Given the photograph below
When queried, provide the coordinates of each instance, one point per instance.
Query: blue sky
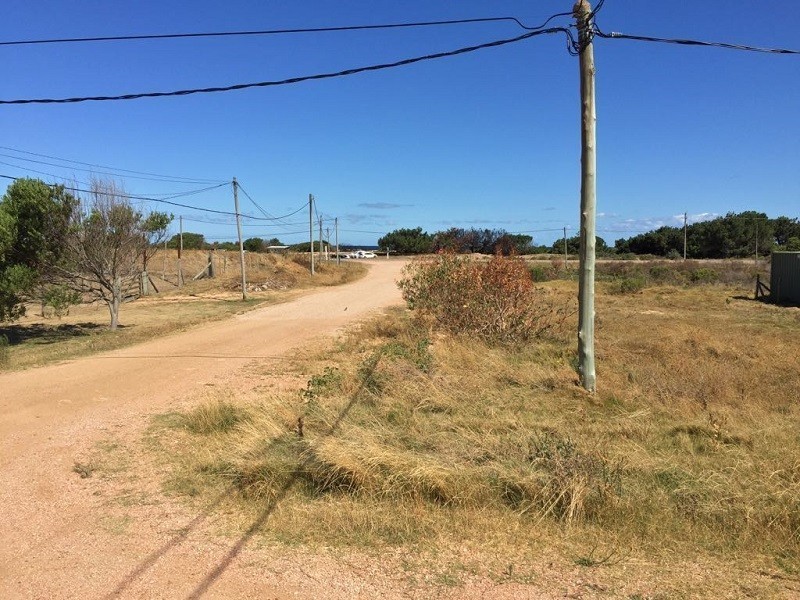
(488, 139)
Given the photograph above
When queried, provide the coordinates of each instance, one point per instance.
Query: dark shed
(785, 277)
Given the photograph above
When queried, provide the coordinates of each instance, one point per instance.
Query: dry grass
(688, 452)
(35, 340)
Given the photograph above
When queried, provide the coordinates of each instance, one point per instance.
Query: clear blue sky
(489, 139)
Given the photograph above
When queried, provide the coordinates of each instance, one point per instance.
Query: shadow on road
(257, 524)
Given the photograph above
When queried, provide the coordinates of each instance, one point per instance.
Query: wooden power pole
(336, 229)
(180, 251)
(311, 229)
(566, 254)
(685, 232)
(239, 233)
(586, 313)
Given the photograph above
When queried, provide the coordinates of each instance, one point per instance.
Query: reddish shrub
(496, 300)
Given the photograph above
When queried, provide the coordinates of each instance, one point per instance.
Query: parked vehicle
(363, 254)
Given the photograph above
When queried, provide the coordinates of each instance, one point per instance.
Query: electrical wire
(112, 174)
(264, 212)
(163, 36)
(685, 42)
(292, 80)
(158, 200)
(164, 178)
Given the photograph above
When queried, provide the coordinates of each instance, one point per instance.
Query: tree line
(197, 241)
(735, 235)
(456, 239)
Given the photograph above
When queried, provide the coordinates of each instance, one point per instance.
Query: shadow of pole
(262, 518)
(217, 571)
(154, 556)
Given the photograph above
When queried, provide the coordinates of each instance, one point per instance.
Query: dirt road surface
(62, 536)
(57, 541)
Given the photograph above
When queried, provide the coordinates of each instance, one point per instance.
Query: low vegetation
(404, 434)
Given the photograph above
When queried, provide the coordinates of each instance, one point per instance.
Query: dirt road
(58, 538)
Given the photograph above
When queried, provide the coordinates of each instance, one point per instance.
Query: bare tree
(108, 245)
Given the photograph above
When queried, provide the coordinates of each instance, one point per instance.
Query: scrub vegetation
(407, 433)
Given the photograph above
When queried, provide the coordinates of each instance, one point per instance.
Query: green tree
(407, 241)
(254, 244)
(191, 241)
(33, 227)
(574, 245)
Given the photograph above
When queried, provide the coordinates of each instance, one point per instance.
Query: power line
(165, 178)
(162, 200)
(685, 42)
(292, 80)
(163, 36)
(265, 213)
(42, 162)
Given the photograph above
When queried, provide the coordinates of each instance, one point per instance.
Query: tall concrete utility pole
(756, 261)
(320, 238)
(586, 370)
(239, 233)
(336, 229)
(685, 230)
(180, 250)
(311, 229)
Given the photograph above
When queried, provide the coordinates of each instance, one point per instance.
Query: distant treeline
(735, 235)
(196, 241)
(456, 239)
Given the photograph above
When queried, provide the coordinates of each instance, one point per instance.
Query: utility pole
(239, 233)
(582, 13)
(685, 229)
(328, 239)
(566, 255)
(320, 237)
(180, 251)
(336, 229)
(311, 229)
(756, 262)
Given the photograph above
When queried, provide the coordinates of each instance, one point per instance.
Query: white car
(363, 254)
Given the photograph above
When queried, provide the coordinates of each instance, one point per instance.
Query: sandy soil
(60, 539)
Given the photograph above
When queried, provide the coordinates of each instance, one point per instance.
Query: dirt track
(58, 539)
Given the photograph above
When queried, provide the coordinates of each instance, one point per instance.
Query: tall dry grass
(402, 436)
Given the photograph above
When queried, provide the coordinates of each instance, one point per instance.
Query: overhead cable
(684, 42)
(291, 80)
(158, 200)
(165, 178)
(164, 36)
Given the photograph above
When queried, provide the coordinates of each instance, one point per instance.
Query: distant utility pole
(336, 229)
(180, 250)
(239, 233)
(566, 256)
(320, 237)
(582, 13)
(685, 229)
(311, 229)
(756, 261)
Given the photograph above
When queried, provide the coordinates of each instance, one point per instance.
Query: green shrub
(704, 275)
(539, 273)
(628, 285)
(60, 298)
